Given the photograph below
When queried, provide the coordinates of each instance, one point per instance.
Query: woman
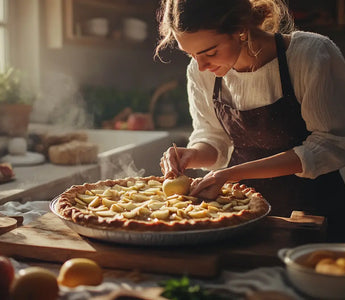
(267, 103)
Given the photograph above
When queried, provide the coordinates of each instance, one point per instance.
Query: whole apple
(179, 185)
(34, 283)
(80, 271)
(6, 276)
(120, 125)
(140, 121)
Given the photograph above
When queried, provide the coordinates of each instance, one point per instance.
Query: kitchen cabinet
(109, 22)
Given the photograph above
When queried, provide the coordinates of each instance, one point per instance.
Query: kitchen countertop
(40, 182)
(121, 153)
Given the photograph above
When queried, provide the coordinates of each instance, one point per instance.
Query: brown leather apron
(268, 130)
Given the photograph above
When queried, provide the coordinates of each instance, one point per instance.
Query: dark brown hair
(223, 16)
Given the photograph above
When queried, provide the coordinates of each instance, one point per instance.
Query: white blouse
(317, 70)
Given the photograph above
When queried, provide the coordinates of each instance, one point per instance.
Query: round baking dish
(158, 238)
(306, 279)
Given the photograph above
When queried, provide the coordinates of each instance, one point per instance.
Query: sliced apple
(86, 198)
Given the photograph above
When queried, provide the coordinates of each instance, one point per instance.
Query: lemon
(80, 271)
(34, 283)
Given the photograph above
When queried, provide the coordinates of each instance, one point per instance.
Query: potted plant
(15, 103)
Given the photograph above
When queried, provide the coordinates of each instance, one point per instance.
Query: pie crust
(139, 204)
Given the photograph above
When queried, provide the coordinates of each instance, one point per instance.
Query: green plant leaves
(12, 89)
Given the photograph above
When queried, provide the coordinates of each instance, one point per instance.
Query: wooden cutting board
(49, 239)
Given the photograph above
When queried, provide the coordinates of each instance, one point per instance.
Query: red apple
(140, 121)
(120, 125)
(6, 276)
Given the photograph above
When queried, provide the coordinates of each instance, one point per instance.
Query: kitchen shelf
(78, 12)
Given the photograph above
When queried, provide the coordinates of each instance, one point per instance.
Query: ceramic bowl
(306, 279)
(135, 29)
(97, 27)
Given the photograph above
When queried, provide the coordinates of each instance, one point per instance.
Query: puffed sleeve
(206, 126)
(322, 92)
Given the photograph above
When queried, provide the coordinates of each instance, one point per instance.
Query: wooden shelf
(118, 5)
(78, 12)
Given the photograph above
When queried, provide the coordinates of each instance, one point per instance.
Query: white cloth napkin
(30, 210)
(259, 279)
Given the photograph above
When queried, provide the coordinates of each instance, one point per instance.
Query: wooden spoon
(7, 224)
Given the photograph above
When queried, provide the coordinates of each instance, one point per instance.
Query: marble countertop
(44, 181)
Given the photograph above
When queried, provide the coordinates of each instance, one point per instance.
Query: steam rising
(61, 103)
(115, 167)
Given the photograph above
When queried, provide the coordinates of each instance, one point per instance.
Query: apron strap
(217, 89)
(285, 79)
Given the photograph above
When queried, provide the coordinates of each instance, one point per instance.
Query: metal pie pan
(158, 238)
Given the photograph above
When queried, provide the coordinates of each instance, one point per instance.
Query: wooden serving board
(50, 239)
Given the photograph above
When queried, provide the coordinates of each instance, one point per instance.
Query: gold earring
(243, 37)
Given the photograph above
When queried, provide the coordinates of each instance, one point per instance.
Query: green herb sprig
(183, 289)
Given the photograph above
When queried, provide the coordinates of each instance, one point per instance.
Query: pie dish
(138, 204)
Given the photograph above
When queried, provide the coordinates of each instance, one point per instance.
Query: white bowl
(307, 280)
(97, 27)
(135, 29)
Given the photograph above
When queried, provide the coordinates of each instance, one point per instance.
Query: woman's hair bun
(272, 16)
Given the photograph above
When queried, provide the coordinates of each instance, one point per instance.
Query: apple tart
(139, 203)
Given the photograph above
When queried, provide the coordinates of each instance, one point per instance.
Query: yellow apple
(80, 271)
(179, 185)
(34, 283)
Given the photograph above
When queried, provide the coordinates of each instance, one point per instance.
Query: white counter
(122, 153)
(42, 182)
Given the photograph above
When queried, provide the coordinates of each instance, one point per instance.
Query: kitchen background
(91, 66)
(97, 56)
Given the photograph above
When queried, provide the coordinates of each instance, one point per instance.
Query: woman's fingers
(210, 186)
(175, 161)
(194, 183)
(166, 169)
(200, 184)
(169, 163)
(162, 166)
(209, 193)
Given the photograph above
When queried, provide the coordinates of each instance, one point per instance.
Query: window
(3, 35)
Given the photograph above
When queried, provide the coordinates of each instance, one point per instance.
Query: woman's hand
(210, 186)
(281, 164)
(174, 163)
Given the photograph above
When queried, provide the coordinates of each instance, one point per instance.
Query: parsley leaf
(182, 289)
